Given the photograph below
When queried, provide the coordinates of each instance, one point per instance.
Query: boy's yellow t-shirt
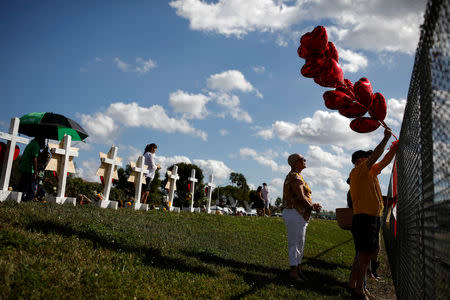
(365, 190)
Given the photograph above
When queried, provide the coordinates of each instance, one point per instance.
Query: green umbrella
(51, 126)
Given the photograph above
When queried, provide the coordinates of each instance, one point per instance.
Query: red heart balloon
(16, 152)
(315, 41)
(2, 151)
(363, 91)
(331, 51)
(347, 88)
(378, 109)
(336, 99)
(313, 66)
(353, 110)
(331, 74)
(348, 84)
(301, 51)
(364, 124)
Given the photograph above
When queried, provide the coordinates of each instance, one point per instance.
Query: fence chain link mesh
(419, 252)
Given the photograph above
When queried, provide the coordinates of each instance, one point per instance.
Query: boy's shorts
(366, 232)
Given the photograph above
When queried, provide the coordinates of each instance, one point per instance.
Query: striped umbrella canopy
(51, 126)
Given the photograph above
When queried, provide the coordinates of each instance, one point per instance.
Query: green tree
(278, 202)
(239, 180)
(123, 184)
(241, 183)
(228, 190)
(155, 196)
(182, 192)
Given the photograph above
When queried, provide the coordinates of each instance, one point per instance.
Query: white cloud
(319, 157)
(142, 66)
(100, 126)
(232, 104)
(133, 115)
(326, 177)
(259, 69)
(103, 127)
(353, 61)
(133, 153)
(190, 105)
(223, 132)
(88, 170)
(166, 162)
(123, 66)
(322, 129)
(219, 170)
(395, 110)
(330, 199)
(275, 189)
(264, 159)
(326, 182)
(236, 17)
(229, 81)
(394, 25)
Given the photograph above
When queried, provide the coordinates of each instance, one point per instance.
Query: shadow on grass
(152, 256)
(258, 276)
(314, 261)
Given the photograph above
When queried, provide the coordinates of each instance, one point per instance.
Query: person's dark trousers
(26, 186)
(374, 266)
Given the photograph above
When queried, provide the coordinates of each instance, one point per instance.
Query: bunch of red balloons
(351, 100)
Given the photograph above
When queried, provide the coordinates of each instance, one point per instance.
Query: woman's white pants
(296, 232)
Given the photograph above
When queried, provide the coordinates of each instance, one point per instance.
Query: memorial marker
(62, 163)
(173, 177)
(108, 169)
(139, 169)
(12, 138)
(210, 186)
(193, 180)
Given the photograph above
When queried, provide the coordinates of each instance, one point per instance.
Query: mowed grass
(50, 251)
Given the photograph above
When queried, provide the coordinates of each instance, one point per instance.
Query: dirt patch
(382, 288)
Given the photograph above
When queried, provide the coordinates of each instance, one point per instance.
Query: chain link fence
(418, 239)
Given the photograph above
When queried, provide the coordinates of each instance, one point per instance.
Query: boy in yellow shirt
(367, 208)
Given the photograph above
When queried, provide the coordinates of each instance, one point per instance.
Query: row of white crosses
(62, 163)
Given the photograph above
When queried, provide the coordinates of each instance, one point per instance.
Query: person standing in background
(265, 194)
(149, 157)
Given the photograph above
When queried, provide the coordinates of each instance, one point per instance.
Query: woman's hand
(317, 207)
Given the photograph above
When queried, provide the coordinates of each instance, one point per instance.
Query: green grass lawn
(51, 251)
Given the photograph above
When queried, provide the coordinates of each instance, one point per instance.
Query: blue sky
(215, 83)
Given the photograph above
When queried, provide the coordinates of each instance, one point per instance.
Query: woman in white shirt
(149, 157)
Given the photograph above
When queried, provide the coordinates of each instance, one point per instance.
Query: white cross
(139, 169)
(64, 152)
(172, 179)
(111, 162)
(12, 139)
(210, 186)
(193, 180)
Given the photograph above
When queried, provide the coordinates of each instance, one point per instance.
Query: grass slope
(54, 251)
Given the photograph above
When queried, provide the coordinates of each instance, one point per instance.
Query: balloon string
(380, 121)
(387, 127)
